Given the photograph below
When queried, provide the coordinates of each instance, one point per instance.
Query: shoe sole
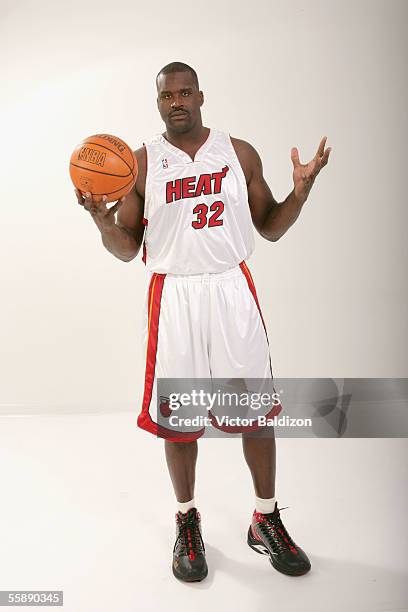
(186, 579)
(262, 550)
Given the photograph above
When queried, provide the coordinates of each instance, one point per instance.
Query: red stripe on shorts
(251, 285)
(144, 420)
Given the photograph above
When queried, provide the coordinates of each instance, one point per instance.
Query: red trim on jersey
(144, 420)
(144, 256)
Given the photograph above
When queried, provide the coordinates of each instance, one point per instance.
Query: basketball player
(198, 195)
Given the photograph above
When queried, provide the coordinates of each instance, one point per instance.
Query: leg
(177, 348)
(260, 455)
(267, 534)
(181, 460)
(189, 563)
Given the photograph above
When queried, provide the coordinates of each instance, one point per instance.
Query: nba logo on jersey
(165, 163)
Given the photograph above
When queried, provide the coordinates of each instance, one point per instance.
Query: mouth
(178, 115)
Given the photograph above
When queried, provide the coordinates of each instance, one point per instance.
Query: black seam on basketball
(110, 192)
(100, 171)
(114, 152)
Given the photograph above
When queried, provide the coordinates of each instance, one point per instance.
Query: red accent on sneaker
(254, 534)
(294, 550)
(258, 517)
(191, 553)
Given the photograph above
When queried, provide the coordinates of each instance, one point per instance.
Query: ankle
(184, 507)
(265, 506)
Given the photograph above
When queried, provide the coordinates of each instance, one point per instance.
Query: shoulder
(247, 155)
(141, 156)
(244, 148)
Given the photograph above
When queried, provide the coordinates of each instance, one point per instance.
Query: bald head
(178, 67)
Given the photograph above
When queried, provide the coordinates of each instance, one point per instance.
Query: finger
(116, 206)
(98, 207)
(88, 200)
(107, 210)
(320, 150)
(80, 197)
(90, 203)
(122, 199)
(325, 157)
(294, 155)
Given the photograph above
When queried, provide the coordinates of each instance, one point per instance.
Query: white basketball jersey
(197, 214)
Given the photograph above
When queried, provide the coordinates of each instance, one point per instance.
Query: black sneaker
(267, 535)
(189, 562)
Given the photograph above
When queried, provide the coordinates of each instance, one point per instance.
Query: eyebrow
(166, 91)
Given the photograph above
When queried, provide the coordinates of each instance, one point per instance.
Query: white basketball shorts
(201, 326)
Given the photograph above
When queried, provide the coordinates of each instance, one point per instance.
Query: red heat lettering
(203, 185)
(189, 186)
(217, 177)
(173, 191)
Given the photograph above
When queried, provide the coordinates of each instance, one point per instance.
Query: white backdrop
(333, 289)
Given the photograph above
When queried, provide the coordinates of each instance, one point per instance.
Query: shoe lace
(274, 530)
(189, 536)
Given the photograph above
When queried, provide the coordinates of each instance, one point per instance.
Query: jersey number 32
(201, 210)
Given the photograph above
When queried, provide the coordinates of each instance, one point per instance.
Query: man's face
(179, 101)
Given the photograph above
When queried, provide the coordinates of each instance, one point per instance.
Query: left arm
(272, 219)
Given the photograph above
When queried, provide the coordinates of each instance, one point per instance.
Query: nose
(177, 101)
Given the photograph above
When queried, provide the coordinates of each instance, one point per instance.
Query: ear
(201, 98)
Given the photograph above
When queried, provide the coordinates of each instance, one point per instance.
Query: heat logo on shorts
(165, 407)
(92, 156)
(193, 186)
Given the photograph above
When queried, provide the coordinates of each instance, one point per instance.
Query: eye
(186, 93)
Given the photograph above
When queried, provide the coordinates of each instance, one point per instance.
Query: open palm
(305, 174)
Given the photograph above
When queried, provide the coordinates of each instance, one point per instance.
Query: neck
(196, 135)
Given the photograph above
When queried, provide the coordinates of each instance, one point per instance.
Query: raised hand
(304, 174)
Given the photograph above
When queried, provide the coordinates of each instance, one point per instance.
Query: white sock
(185, 506)
(265, 506)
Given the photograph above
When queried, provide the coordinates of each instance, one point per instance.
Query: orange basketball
(103, 165)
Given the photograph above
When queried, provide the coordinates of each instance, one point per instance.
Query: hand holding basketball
(104, 217)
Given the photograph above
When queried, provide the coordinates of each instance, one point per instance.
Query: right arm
(124, 237)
